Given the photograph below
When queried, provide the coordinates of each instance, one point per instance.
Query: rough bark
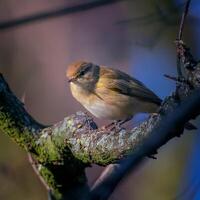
(63, 151)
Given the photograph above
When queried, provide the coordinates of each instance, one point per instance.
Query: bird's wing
(118, 81)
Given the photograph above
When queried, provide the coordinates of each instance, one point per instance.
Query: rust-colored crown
(74, 68)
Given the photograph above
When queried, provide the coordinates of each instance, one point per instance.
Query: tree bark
(61, 152)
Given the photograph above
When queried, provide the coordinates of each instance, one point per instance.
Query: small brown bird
(109, 93)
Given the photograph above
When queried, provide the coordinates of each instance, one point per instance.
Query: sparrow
(109, 93)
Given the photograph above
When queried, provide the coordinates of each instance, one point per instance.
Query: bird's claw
(116, 125)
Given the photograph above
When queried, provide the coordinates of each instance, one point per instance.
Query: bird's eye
(82, 73)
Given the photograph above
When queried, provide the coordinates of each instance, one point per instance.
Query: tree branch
(161, 133)
(183, 18)
(54, 13)
(62, 152)
(66, 148)
(54, 158)
(180, 34)
(112, 175)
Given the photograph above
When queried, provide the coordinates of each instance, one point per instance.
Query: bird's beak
(71, 79)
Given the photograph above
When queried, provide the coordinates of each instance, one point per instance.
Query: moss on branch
(15, 121)
(64, 150)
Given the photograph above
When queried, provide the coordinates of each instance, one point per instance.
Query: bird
(109, 93)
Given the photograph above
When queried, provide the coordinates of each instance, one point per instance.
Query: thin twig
(183, 18)
(177, 79)
(31, 159)
(180, 34)
(104, 175)
(35, 168)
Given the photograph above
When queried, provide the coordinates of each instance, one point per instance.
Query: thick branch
(66, 148)
(62, 152)
(160, 134)
(52, 157)
(14, 120)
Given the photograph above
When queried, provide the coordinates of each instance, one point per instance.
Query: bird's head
(84, 74)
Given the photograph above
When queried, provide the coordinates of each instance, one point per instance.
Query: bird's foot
(153, 115)
(126, 120)
(116, 125)
(112, 126)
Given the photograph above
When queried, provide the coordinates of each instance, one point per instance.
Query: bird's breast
(100, 106)
(106, 104)
(91, 102)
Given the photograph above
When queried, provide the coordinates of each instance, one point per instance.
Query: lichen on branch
(62, 151)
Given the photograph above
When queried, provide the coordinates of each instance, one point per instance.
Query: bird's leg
(153, 115)
(125, 120)
(112, 125)
(116, 125)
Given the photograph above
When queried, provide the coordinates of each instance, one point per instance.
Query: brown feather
(122, 83)
(109, 93)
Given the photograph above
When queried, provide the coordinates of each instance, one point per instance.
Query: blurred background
(134, 36)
